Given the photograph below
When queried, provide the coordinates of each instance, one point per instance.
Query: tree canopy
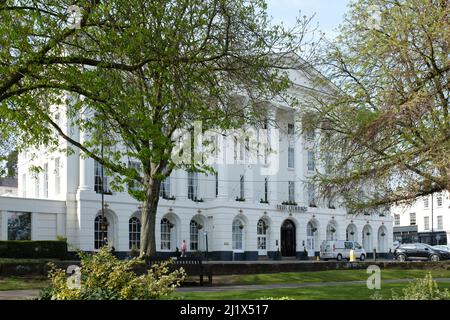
(385, 131)
(132, 74)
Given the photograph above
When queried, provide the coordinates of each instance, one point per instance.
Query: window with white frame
(440, 222)
(266, 189)
(193, 235)
(311, 195)
(426, 203)
(217, 184)
(100, 231)
(310, 134)
(242, 187)
(134, 233)
(24, 185)
(397, 219)
(291, 158)
(100, 179)
(235, 149)
(439, 200)
(136, 165)
(36, 186)
(57, 176)
(45, 180)
(311, 161)
(192, 185)
(164, 190)
(291, 191)
(18, 225)
(166, 227)
(237, 234)
(426, 223)
(412, 218)
(291, 129)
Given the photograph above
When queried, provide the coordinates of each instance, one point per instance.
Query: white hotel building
(236, 215)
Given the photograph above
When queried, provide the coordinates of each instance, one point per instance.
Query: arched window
(100, 231)
(261, 230)
(331, 231)
(134, 233)
(237, 231)
(166, 225)
(194, 235)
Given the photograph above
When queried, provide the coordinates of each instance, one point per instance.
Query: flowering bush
(104, 277)
(423, 289)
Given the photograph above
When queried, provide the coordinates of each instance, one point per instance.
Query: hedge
(24, 249)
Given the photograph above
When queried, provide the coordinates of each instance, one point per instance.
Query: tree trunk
(148, 218)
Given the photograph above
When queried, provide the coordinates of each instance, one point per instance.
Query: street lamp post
(206, 243)
(432, 220)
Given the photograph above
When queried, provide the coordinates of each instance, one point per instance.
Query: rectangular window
(217, 184)
(135, 185)
(57, 177)
(397, 219)
(290, 158)
(46, 180)
(310, 134)
(439, 200)
(425, 203)
(193, 236)
(311, 161)
(192, 185)
(412, 219)
(36, 186)
(242, 187)
(311, 195)
(266, 189)
(164, 190)
(19, 226)
(101, 179)
(291, 129)
(291, 191)
(426, 223)
(235, 150)
(24, 185)
(440, 222)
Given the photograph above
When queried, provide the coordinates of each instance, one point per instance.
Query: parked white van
(340, 249)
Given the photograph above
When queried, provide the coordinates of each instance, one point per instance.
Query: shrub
(423, 289)
(104, 277)
(25, 249)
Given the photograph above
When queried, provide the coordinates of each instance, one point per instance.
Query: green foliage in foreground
(423, 289)
(104, 277)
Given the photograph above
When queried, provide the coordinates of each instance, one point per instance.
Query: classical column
(181, 185)
(299, 163)
(273, 167)
(3, 225)
(86, 168)
(222, 169)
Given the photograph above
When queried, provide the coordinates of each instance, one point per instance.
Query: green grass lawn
(324, 276)
(16, 283)
(347, 292)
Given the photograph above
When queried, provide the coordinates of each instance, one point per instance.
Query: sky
(329, 13)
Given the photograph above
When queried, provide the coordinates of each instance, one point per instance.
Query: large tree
(385, 131)
(134, 74)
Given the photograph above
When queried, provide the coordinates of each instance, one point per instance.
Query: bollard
(352, 255)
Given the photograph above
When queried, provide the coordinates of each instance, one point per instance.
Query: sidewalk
(19, 294)
(290, 285)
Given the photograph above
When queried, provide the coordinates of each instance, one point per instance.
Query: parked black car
(420, 251)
